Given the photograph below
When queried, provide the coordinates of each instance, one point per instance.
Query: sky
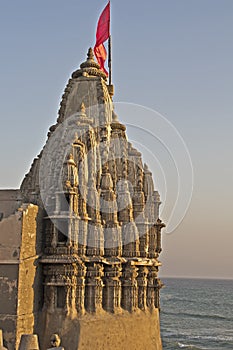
(173, 57)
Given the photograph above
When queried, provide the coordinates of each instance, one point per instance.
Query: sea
(196, 314)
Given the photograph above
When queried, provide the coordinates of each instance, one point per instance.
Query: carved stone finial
(90, 54)
(82, 117)
(114, 116)
(90, 61)
(115, 122)
(89, 68)
(83, 108)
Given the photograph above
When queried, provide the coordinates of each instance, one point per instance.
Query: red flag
(102, 34)
(101, 55)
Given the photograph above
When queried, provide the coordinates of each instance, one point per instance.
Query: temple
(80, 239)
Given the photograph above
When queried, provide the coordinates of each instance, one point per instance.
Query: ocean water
(197, 314)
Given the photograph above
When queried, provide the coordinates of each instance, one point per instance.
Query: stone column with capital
(94, 287)
(112, 288)
(129, 300)
(80, 289)
(142, 286)
(152, 285)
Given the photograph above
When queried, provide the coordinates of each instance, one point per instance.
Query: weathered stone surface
(10, 201)
(10, 238)
(19, 274)
(105, 331)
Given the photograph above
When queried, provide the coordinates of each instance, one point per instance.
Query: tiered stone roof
(102, 232)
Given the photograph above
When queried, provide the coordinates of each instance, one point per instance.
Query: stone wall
(18, 273)
(10, 240)
(9, 202)
(103, 331)
(8, 308)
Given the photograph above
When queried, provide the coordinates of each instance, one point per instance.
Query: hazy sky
(174, 57)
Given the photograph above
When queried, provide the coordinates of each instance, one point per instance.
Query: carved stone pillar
(112, 288)
(94, 287)
(152, 241)
(129, 299)
(82, 198)
(75, 202)
(152, 287)
(142, 286)
(75, 232)
(80, 289)
(67, 289)
(157, 293)
(72, 296)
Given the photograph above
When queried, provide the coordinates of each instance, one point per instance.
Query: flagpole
(110, 59)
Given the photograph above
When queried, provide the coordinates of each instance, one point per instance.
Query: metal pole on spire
(110, 48)
(110, 60)
(110, 86)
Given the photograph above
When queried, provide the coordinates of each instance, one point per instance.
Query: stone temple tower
(97, 225)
